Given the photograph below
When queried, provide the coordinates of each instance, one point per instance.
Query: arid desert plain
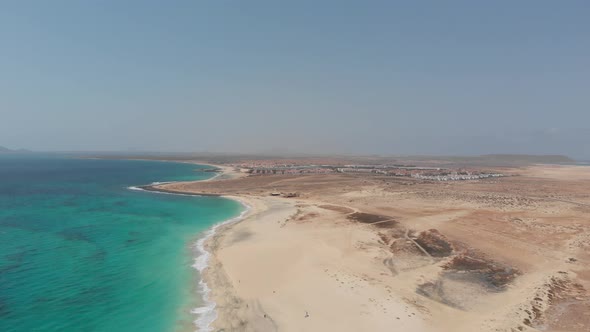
(353, 251)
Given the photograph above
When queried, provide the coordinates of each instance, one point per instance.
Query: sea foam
(160, 192)
(206, 313)
(136, 188)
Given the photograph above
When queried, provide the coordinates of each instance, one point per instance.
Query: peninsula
(353, 245)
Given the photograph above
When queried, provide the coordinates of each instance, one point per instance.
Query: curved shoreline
(303, 265)
(207, 312)
(155, 188)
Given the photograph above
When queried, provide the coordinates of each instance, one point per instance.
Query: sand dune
(370, 253)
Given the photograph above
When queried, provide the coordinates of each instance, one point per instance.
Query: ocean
(80, 251)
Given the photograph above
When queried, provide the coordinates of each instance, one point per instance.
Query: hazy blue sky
(413, 77)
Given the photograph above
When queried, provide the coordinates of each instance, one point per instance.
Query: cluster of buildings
(285, 167)
(456, 176)
(292, 170)
(286, 163)
(423, 173)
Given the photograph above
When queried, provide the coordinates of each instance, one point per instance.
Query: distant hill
(488, 160)
(525, 158)
(7, 150)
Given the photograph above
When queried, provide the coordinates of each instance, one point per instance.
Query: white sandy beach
(304, 264)
(270, 273)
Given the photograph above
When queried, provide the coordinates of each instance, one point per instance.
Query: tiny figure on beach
(306, 314)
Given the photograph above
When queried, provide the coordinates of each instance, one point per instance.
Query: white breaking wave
(157, 183)
(161, 192)
(218, 174)
(136, 188)
(206, 313)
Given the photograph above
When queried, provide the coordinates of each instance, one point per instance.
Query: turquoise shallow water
(81, 252)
